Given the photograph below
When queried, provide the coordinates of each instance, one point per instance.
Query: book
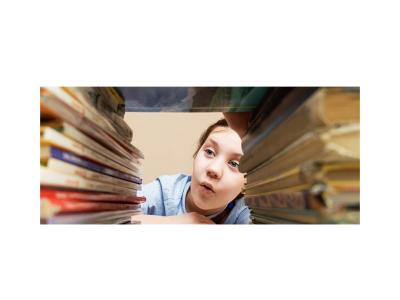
(52, 178)
(328, 199)
(337, 195)
(99, 98)
(309, 216)
(113, 96)
(83, 108)
(107, 102)
(335, 201)
(277, 106)
(50, 207)
(107, 217)
(296, 200)
(304, 176)
(70, 169)
(54, 152)
(262, 219)
(322, 145)
(51, 137)
(76, 135)
(89, 196)
(325, 108)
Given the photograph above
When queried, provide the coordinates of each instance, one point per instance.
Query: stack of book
(302, 157)
(89, 170)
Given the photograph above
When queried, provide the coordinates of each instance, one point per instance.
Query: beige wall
(167, 140)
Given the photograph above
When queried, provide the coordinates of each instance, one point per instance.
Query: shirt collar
(185, 190)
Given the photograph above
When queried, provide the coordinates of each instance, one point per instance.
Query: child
(211, 195)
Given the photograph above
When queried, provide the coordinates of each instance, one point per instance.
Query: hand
(190, 218)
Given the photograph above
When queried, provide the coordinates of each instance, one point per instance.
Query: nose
(215, 169)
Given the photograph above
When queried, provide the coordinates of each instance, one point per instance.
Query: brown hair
(206, 133)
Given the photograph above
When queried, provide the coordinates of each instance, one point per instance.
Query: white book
(53, 178)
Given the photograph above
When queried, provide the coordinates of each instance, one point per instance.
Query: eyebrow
(212, 141)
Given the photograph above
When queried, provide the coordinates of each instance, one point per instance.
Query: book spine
(119, 123)
(278, 200)
(265, 180)
(52, 206)
(78, 161)
(288, 158)
(66, 168)
(296, 215)
(52, 178)
(262, 219)
(89, 196)
(281, 184)
(54, 137)
(78, 136)
(103, 217)
(309, 215)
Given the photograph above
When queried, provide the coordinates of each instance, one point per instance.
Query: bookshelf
(301, 150)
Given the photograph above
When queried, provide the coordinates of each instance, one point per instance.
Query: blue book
(87, 164)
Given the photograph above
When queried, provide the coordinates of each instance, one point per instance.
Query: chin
(207, 203)
(202, 203)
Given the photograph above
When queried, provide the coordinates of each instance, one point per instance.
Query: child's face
(216, 179)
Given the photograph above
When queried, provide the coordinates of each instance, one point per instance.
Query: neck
(192, 207)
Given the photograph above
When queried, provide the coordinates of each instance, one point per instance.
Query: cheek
(237, 183)
(240, 184)
(198, 166)
(233, 185)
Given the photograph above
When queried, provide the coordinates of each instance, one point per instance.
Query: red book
(50, 207)
(89, 196)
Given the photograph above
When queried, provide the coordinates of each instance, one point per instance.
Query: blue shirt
(166, 196)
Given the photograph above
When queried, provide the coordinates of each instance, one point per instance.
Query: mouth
(208, 187)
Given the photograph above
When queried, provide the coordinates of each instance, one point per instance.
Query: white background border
(208, 43)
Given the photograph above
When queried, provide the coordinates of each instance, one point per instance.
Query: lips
(207, 186)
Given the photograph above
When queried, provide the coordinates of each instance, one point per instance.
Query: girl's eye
(209, 152)
(234, 164)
